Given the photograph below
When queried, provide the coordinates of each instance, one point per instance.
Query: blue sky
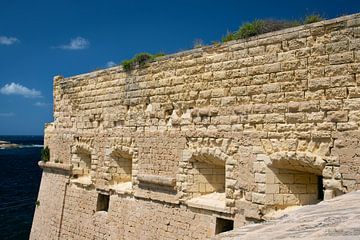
(41, 39)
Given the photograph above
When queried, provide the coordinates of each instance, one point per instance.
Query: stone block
(337, 116)
(271, 88)
(272, 188)
(258, 198)
(340, 58)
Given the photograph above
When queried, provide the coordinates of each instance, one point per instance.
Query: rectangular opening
(102, 202)
(320, 188)
(223, 225)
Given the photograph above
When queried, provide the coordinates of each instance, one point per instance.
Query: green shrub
(258, 27)
(37, 203)
(215, 43)
(139, 60)
(313, 18)
(250, 29)
(45, 154)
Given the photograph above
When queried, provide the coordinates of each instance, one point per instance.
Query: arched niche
(293, 178)
(81, 161)
(120, 167)
(120, 170)
(206, 175)
(202, 179)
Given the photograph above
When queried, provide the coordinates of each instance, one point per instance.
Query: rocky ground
(335, 219)
(5, 144)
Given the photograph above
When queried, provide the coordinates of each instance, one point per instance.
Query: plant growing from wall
(45, 154)
(228, 37)
(313, 18)
(37, 203)
(139, 60)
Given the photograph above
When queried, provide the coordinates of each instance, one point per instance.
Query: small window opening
(320, 187)
(223, 225)
(102, 202)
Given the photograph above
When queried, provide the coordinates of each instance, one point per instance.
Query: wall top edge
(119, 69)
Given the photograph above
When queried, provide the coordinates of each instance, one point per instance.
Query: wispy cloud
(42, 104)
(7, 114)
(8, 40)
(77, 43)
(17, 89)
(110, 64)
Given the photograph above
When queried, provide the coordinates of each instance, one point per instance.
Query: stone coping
(156, 179)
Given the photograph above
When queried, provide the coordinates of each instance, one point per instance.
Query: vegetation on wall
(246, 30)
(258, 27)
(45, 154)
(312, 18)
(139, 60)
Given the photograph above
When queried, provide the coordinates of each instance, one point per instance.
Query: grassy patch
(139, 60)
(313, 18)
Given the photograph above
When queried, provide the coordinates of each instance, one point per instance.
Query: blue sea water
(19, 184)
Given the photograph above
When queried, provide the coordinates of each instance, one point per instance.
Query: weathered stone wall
(48, 214)
(283, 106)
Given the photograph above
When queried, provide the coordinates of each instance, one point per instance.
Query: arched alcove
(120, 167)
(81, 161)
(207, 175)
(202, 179)
(294, 178)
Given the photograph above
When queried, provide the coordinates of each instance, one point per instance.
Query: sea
(19, 185)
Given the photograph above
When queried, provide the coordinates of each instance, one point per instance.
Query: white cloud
(110, 64)
(17, 89)
(8, 40)
(41, 104)
(7, 114)
(77, 43)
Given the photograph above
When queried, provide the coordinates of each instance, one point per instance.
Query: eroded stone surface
(338, 218)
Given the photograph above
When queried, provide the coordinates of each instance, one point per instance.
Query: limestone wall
(227, 118)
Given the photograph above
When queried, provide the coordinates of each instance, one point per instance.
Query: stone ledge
(212, 202)
(83, 181)
(156, 196)
(122, 188)
(55, 166)
(158, 180)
